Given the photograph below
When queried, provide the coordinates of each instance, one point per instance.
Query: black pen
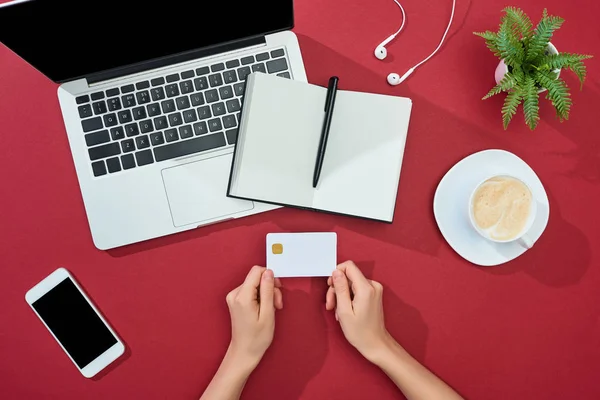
(329, 102)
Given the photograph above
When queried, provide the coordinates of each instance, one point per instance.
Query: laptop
(150, 94)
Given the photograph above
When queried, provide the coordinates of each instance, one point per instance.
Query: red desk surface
(529, 329)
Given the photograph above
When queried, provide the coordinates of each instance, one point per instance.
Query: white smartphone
(75, 323)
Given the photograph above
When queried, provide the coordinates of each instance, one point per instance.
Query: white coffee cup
(522, 238)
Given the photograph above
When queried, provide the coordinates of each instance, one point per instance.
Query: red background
(529, 329)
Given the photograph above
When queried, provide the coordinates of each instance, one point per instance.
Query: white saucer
(450, 206)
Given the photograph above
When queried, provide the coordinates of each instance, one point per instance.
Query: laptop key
(247, 60)
(110, 120)
(186, 131)
(218, 109)
(153, 109)
(143, 97)
(215, 80)
(233, 105)
(144, 157)
(113, 165)
(104, 151)
(157, 93)
(96, 138)
(171, 135)
(262, 56)
(277, 53)
(127, 89)
(131, 130)
(204, 112)
(230, 76)
(231, 136)
(98, 168)
(139, 113)
(232, 64)
(278, 65)
(117, 133)
(190, 116)
(168, 106)
(172, 78)
(243, 72)
(238, 88)
(128, 100)
(217, 67)
(127, 146)
(229, 121)
(175, 119)
(124, 116)
(82, 99)
(97, 95)
(146, 126)
(114, 104)
(202, 71)
(142, 142)
(157, 138)
(160, 123)
(186, 87)
(197, 99)
(211, 95)
(178, 149)
(284, 75)
(187, 74)
(92, 124)
(112, 92)
(128, 161)
(158, 81)
(183, 102)
(172, 90)
(259, 68)
(99, 107)
(85, 111)
(215, 125)
(142, 85)
(200, 128)
(201, 83)
(226, 92)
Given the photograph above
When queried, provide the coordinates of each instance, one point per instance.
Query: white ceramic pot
(502, 69)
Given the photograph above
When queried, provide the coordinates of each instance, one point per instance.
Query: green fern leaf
(491, 39)
(507, 83)
(574, 62)
(512, 101)
(521, 23)
(558, 93)
(531, 103)
(542, 35)
(510, 47)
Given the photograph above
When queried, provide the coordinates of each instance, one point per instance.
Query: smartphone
(75, 323)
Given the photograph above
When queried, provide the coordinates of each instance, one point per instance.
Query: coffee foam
(501, 207)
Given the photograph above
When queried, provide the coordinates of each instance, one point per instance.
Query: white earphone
(381, 52)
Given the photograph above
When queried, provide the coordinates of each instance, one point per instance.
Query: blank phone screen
(74, 323)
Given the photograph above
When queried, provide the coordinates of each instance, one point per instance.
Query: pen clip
(331, 88)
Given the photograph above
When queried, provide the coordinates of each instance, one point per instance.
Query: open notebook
(278, 139)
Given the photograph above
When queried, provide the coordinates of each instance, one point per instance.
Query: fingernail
(268, 275)
(337, 274)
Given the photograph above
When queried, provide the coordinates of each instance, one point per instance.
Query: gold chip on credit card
(277, 248)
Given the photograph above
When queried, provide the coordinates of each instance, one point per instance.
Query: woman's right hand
(358, 306)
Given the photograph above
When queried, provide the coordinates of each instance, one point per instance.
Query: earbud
(381, 51)
(395, 79)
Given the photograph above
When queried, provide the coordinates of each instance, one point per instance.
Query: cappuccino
(501, 207)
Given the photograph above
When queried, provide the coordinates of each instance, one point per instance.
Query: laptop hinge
(174, 59)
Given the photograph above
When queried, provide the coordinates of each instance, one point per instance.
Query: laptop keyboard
(171, 116)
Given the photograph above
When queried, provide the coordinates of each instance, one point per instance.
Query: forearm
(229, 381)
(411, 377)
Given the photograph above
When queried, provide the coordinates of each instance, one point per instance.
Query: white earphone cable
(403, 18)
(443, 37)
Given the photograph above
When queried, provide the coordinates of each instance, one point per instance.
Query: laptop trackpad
(197, 191)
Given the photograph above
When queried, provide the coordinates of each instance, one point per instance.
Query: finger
(278, 299)
(342, 293)
(330, 299)
(251, 283)
(278, 283)
(329, 281)
(359, 282)
(267, 294)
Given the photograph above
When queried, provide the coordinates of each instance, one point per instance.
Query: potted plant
(530, 65)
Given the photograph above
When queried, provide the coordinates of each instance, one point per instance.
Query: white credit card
(302, 254)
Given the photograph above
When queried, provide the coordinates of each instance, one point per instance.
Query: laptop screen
(66, 40)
